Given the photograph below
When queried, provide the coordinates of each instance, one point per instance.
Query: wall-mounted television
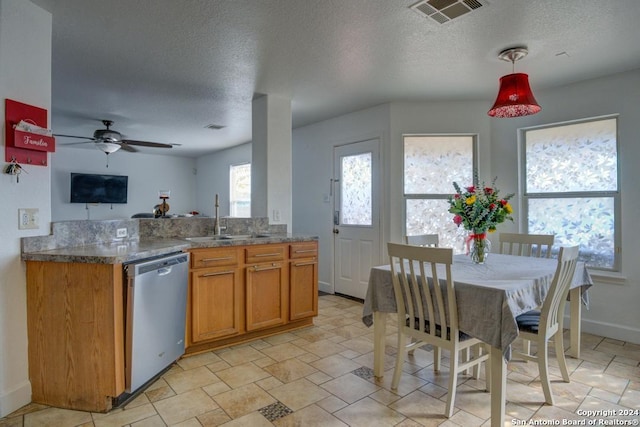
(91, 188)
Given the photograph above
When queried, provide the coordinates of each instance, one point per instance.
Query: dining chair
(422, 240)
(423, 312)
(541, 326)
(536, 245)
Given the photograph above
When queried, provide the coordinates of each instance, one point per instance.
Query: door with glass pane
(356, 215)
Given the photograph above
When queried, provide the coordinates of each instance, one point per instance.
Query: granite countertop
(134, 250)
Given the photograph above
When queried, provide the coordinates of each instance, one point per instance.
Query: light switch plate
(28, 219)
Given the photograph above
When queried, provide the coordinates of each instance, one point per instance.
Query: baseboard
(325, 287)
(15, 399)
(609, 330)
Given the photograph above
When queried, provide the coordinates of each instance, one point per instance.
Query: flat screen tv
(90, 188)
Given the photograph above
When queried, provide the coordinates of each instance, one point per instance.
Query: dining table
(489, 297)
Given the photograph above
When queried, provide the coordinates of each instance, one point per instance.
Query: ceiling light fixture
(107, 147)
(515, 98)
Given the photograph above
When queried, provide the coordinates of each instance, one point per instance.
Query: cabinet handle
(304, 263)
(304, 251)
(273, 267)
(218, 273)
(263, 255)
(216, 259)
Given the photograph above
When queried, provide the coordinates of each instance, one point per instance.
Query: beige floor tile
(159, 393)
(331, 404)
(197, 360)
(219, 366)
(283, 351)
(361, 413)
(630, 399)
(119, 418)
(324, 348)
(623, 370)
(335, 365)
(421, 408)
(191, 379)
(290, 370)
(191, 422)
(213, 418)
(265, 361)
(350, 388)
(308, 358)
(408, 383)
(592, 403)
(56, 417)
(14, 421)
(139, 400)
(463, 418)
(216, 388)
(153, 421)
(243, 400)
(473, 401)
(281, 338)
(184, 406)
(240, 375)
(254, 419)
(595, 356)
(298, 394)
(269, 383)
(607, 396)
(239, 355)
(311, 416)
(611, 383)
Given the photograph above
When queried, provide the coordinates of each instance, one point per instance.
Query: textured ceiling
(165, 69)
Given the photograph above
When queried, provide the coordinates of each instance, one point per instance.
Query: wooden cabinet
(266, 286)
(75, 323)
(215, 295)
(303, 280)
(241, 293)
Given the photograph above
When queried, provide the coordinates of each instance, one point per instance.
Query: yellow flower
(470, 200)
(508, 208)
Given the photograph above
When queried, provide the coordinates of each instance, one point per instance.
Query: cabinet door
(303, 288)
(215, 303)
(266, 296)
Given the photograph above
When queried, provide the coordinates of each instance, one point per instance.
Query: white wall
(24, 27)
(213, 177)
(614, 303)
(147, 174)
(313, 167)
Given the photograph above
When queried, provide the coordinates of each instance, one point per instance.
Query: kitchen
(312, 159)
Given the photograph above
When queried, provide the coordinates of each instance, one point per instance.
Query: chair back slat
(419, 300)
(553, 306)
(531, 245)
(423, 240)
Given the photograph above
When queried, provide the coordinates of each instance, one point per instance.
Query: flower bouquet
(479, 209)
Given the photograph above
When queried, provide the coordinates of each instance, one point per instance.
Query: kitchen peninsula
(254, 281)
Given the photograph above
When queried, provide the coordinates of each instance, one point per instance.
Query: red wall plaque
(33, 150)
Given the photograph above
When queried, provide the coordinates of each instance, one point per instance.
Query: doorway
(356, 219)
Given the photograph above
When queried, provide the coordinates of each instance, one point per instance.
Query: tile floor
(321, 376)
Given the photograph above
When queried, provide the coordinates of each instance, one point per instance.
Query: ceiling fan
(109, 141)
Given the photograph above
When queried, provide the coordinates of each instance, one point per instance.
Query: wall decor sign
(27, 139)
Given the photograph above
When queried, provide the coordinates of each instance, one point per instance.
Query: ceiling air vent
(443, 11)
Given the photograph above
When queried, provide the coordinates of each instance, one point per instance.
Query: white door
(356, 215)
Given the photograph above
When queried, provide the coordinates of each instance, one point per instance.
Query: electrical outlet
(28, 219)
(121, 232)
(276, 215)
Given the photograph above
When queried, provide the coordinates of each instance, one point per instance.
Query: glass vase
(478, 246)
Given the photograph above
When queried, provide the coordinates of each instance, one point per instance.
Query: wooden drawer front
(214, 257)
(263, 253)
(303, 250)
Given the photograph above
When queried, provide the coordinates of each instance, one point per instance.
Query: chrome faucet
(216, 221)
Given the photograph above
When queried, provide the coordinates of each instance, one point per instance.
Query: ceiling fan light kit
(107, 147)
(515, 98)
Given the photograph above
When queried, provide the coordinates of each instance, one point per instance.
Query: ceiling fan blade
(77, 143)
(74, 136)
(145, 143)
(128, 148)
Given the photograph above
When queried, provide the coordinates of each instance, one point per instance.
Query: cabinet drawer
(303, 250)
(214, 257)
(264, 253)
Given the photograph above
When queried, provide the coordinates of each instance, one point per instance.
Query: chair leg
(562, 361)
(526, 348)
(402, 342)
(453, 381)
(436, 358)
(487, 369)
(543, 367)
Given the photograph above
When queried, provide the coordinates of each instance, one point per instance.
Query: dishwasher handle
(164, 271)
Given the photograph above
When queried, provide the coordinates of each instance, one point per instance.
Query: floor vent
(443, 11)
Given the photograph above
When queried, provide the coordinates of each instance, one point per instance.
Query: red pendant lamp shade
(515, 98)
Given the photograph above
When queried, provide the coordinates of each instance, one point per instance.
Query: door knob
(336, 231)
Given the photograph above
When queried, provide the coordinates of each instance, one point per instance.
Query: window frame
(231, 192)
(436, 196)
(616, 195)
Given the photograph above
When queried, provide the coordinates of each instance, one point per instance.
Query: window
(571, 187)
(431, 164)
(240, 190)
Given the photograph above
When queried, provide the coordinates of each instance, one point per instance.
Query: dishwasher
(155, 316)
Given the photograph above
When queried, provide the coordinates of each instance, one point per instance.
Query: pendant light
(515, 98)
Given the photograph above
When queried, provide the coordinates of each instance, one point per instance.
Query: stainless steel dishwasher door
(156, 314)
